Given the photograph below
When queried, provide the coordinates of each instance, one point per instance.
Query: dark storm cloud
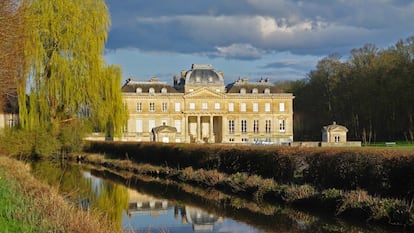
(249, 29)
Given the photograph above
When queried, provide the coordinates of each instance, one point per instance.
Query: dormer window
(267, 91)
(243, 91)
(138, 90)
(151, 90)
(255, 91)
(164, 90)
(210, 79)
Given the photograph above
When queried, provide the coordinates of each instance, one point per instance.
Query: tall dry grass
(56, 214)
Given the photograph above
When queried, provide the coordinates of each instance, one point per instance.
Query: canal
(152, 205)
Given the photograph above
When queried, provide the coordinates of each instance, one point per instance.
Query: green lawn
(392, 145)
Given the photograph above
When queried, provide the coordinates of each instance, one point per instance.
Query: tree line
(371, 93)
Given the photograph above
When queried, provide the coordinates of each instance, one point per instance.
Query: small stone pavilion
(164, 134)
(336, 135)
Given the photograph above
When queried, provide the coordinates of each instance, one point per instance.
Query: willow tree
(67, 73)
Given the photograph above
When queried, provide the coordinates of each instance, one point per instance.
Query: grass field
(391, 145)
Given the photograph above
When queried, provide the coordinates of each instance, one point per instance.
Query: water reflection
(151, 205)
(147, 213)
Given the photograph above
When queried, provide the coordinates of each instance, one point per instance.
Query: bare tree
(12, 36)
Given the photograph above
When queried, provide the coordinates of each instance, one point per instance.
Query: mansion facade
(199, 108)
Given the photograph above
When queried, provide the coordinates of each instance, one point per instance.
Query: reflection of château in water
(201, 220)
(142, 204)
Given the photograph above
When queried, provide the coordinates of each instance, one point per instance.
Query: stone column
(186, 128)
(198, 139)
(211, 138)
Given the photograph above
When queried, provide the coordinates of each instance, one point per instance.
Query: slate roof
(131, 86)
(261, 86)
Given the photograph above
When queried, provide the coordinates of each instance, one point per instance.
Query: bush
(24, 143)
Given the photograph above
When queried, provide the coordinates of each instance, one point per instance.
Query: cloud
(239, 51)
(252, 29)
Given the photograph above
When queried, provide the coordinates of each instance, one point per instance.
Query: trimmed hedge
(388, 173)
(266, 163)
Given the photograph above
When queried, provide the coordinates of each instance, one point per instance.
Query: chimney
(183, 73)
(175, 80)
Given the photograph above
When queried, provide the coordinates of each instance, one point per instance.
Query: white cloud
(241, 51)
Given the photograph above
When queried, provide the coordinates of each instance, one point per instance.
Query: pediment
(204, 93)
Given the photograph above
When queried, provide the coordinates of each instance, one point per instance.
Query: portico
(204, 128)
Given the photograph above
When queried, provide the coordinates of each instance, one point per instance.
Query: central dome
(201, 74)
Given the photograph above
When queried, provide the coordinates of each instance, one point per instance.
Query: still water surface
(151, 205)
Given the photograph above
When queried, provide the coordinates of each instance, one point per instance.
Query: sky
(276, 39)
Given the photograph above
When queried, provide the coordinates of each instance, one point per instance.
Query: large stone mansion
(198, 108)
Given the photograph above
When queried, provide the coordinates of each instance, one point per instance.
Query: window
(164, 107)
(282, 125)
(204, 106)
(243, 126)
(192, 106)
(267, 107)
(255, 107)
(151, 125)
(281, 107)
(177, 124)
(242, 107)
(151, 90)
(217, 106)
(177, 107)
(256, 126)
(244, 139)
(231, 126)
(243, 91)
(231, 107)
(164, 90)
(231, 139)
(255, 91)
(11, 123)
(267, 91)
(152, 107)
(337, 138)
(138, 125)
(138, 90)
(139, 107)
(268, 126)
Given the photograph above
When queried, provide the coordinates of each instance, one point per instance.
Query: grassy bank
(27, 205)
(356, 204)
